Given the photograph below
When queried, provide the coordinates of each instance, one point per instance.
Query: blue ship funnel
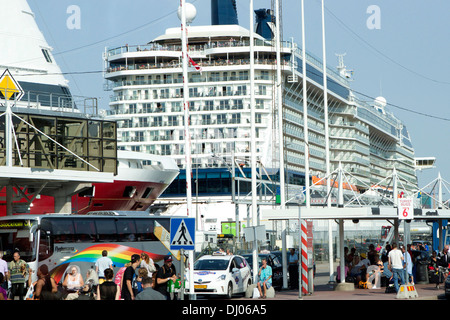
(265, 22)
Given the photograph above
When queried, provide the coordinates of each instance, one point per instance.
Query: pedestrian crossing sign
(182, 233)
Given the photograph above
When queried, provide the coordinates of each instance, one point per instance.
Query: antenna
(347, 74)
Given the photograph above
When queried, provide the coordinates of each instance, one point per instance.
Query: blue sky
(406, 60)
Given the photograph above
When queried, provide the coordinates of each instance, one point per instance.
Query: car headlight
(222, 277)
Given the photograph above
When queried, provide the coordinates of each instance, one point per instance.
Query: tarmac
(323, 290)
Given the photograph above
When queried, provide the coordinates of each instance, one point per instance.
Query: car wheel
(230, 291)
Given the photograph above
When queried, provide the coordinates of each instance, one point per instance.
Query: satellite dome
(191, 12)
(381, 102)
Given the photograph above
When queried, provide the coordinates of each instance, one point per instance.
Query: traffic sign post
(182, 237)
(182, 233)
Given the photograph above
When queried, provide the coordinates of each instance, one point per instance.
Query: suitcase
(436, 276)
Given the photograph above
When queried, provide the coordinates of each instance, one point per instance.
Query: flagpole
(253, 143)
(327, 141)
(281, 139)
(187, 137)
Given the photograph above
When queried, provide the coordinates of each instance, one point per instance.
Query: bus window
(145, 228)
(84, 230)
(62, 230)
(165, 223)
(15, 235)
(45, 249)
(126, 230)
(106, 230)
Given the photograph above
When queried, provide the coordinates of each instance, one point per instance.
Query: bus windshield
(15, 235)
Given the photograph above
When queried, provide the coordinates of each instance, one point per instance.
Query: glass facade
(93, 141)
(218, 182)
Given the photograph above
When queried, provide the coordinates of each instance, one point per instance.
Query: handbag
(30, 293)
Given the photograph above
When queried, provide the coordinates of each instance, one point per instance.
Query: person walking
(408, 265)
(18, 269)
(108, 290)
(149, 293)
(395, 257)
(118, 279)
(128, 293)
(101, 264)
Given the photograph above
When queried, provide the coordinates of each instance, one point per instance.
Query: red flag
(194, 64)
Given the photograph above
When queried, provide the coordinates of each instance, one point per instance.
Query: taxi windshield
(211, 264)
(15, 236)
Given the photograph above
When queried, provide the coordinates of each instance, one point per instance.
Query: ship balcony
(192, 80)
(120, 69)
(223, 46)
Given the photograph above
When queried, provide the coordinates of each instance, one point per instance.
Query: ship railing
(199, 47)
(56, 102)
(204, 63)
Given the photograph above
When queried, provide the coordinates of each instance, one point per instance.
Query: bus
(63, 240)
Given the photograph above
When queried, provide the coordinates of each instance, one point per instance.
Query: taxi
(220, 274)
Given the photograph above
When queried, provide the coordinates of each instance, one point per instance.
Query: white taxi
(220, 274)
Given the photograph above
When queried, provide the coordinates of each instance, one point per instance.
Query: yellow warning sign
(10, 88)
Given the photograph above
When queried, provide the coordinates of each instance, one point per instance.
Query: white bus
(60, 240)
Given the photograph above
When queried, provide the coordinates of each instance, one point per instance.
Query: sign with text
(405, 208)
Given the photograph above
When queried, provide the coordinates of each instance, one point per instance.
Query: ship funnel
(265, 23)
(223, 12)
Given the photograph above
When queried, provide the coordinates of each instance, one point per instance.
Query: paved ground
(324, 291)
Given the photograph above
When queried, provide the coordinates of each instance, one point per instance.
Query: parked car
(220, 274)
(273, 262)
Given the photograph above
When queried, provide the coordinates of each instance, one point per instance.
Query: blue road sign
(182, 233)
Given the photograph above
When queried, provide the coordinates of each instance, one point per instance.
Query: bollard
(406, 292)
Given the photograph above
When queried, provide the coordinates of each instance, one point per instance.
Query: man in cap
(128, 293)
(166, 273)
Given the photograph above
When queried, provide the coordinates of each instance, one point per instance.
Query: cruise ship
(64, 132)
(146, 85)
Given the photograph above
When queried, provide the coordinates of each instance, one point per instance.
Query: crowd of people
(391, 266)
(139, 279)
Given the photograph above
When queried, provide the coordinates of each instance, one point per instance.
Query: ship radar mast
(347, 74)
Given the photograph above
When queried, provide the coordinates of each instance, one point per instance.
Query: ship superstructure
(60, 142)
(147, 94)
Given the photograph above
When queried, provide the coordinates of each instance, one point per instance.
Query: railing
(232, 43)
(38, 100)
(177, 64)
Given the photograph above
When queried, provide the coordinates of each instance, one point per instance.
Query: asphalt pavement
(323, 290)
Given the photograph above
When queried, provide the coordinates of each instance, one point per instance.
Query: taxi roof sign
(10, 88)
